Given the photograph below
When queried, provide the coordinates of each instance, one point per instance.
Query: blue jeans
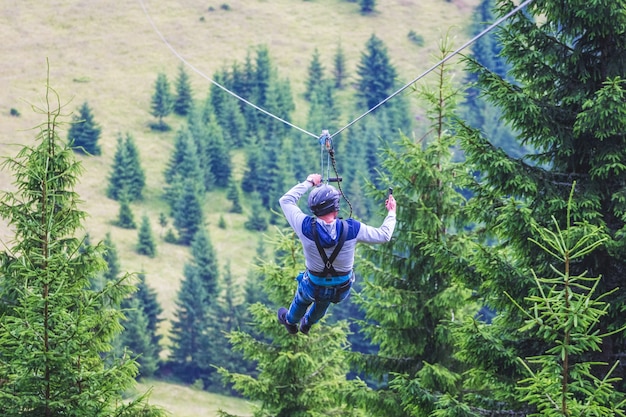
(318, 297)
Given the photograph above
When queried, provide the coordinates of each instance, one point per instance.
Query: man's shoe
(282, 319)
(304, 326)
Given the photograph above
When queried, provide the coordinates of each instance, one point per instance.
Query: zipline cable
(183, 60)
(443, 61)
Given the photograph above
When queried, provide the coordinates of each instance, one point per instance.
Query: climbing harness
(329, 269)
(326, 147)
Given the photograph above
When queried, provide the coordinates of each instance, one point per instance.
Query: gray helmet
(324, 199)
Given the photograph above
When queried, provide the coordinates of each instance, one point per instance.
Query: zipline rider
(329, 244)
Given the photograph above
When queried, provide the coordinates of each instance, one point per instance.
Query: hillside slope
(107, 53)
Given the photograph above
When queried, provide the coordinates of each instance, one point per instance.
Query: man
(329, 244)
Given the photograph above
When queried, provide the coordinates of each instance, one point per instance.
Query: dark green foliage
(568, 62)
(125, 216)
(218, 155)
(252, 176)
(57, 333)
(137, 340)
(84, 133)
(298, 376)
(412, 287)
(187, 213)
(111, 258)
(162, 101)
(258, 217)
(142, 321)
(315, 75)
(234, 194)
(184, 162)
(367, 6)
(376, 74)
(184, 99)
(127, 176)
(145, 239)
(204, 263)
(340, 72)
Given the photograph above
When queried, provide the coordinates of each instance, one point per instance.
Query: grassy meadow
(108, 54)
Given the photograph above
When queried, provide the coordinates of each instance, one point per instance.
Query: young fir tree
(376, 74)
(233, 193)
(257, 218)
(564, 314)
(566, 103)
(217, 153)
(183, 102)
(298, 375)
(125, 216)
(185, 161)
(162, 101)
(84, 132)
(150, 305)
(145, 239)
(57, 333)
(340, 72)
(126, 173)
(196, 329)
(315, 75)
(111, 258)
(367, 6)
(412, 287)
(136, 339)
(188, 215)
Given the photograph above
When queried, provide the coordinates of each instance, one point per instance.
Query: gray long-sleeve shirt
(329, 232)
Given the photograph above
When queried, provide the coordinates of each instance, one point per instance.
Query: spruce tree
(125, 216)
(193, 332)
(137, 340)
(183, 102)
(127, 175)
(412, 286)
(145, 239)
(162, 101)
(315, 75)
(150, 305)
(185, 162)
(566, 103)
(84, 133)
(376, 74)
(340, 72)
(188, 215)
(257, 218)
(111, 258)
(57, 332)
(234, 194)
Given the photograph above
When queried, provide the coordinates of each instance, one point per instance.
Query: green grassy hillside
(107, 53)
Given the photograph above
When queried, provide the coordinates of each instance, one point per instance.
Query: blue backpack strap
(328, 261)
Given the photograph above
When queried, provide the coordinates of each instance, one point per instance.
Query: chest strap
(329, 269)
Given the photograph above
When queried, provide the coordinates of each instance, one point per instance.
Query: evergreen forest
(159, 254)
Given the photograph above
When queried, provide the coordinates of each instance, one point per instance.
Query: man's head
(323, 199)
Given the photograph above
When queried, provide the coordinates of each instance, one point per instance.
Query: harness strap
(329, 269)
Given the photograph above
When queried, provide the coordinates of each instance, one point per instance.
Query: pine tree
(297, 375)
(162, 101)
(415, 277)
(84, 133)
(127, 175)
(376, 74)
(566, 103)
(217, 152)
(367, 6)
(183, 101)
(125, 216)
(188, 216)
(57, 332)
(315, 75)
(145, 242)
(234, 194)
(137, 340)
(252, 178)
(150, 305)
(340, 72)
(257, 219)
(111, 258)
(184, 162)
(204, 263)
